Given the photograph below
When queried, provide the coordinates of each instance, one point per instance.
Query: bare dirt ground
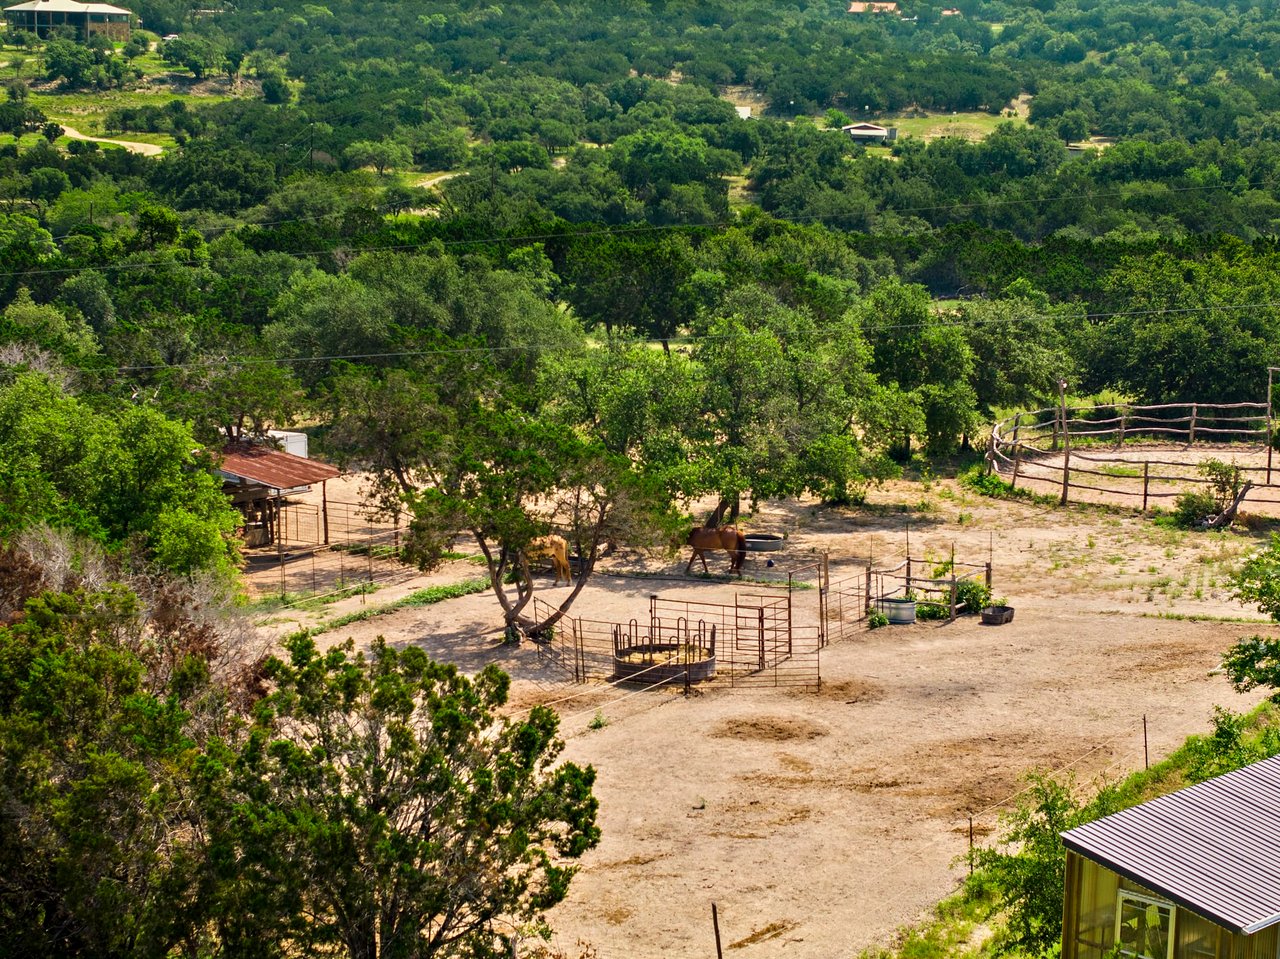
(146, 149)
(821, 822)
(1116, 475)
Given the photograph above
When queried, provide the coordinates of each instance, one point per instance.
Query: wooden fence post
(1066, 475)
(1191, 438)
(1123, 415)
(908, 587)
(988, 575)
(324, 508)
(867, 595)
(1017, 422)
(1066, 443)
(953, 594)
(1146, 482)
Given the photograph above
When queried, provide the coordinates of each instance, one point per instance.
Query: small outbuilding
(869, 133)
(872, 6)
(258, 478)
(1191, 875)
(41, 17)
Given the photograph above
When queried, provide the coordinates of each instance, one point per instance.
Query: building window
(1144, 927)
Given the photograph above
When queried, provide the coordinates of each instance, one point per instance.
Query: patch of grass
(980, 481)
(1205, 618)
(975, 125)
(951, 931)
(1120, 470)
(474, 558)
(423, 597)
(1175, 771)
(708, 577)
(268, 604)
(380, 551)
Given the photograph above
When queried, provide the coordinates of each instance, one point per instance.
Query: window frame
(1121, 896)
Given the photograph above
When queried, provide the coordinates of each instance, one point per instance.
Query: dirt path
(146, 149)
(823, 821)
(435, 179)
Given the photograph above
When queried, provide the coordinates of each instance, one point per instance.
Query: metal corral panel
(1213, 847)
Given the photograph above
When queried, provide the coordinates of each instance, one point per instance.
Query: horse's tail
(740, 553)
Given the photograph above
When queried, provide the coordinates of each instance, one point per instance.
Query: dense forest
(497, 256)
(820, 311)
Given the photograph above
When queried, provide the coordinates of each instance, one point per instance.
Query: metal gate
(755, 642)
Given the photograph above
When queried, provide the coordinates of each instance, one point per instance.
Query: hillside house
(1191, 875)
(869, 133)
(872, 6)
(41, 17)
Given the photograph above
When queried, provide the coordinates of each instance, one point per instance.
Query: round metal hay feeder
(764, 542)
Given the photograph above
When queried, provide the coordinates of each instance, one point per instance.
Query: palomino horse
(727, 538)
(554, 548)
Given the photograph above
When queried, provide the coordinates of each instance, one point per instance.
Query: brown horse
(727, 538)
(554, 548)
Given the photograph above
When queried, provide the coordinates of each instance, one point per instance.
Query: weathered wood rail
(1127, 451)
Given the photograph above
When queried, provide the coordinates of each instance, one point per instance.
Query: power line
(869, 331)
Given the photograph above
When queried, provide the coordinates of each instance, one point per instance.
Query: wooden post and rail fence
(1132, 452)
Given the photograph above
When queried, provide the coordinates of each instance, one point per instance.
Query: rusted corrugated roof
(1213, 847)
(272, 468)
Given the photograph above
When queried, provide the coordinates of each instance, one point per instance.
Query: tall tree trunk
(717, 515)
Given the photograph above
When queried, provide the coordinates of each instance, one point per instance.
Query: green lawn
(971, 126)
(86, 110)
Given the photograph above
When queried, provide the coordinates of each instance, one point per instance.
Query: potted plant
(997, 614)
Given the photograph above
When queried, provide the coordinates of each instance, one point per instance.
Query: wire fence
(325, 551)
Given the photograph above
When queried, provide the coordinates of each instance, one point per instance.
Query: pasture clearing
(85, 111)
(973, 125)
(822, 821)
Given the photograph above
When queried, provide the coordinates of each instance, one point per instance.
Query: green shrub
(979, 480)
(974, 594)
(877, 619)
(1192, 509)
(931, 610)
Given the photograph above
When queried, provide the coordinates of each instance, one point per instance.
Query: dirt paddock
(821, 821)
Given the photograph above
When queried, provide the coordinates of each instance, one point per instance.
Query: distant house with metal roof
(869, 132)
(42, 17)
(1191, 875)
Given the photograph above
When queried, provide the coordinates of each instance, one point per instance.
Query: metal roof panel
(1213, 847)
(273, 468)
